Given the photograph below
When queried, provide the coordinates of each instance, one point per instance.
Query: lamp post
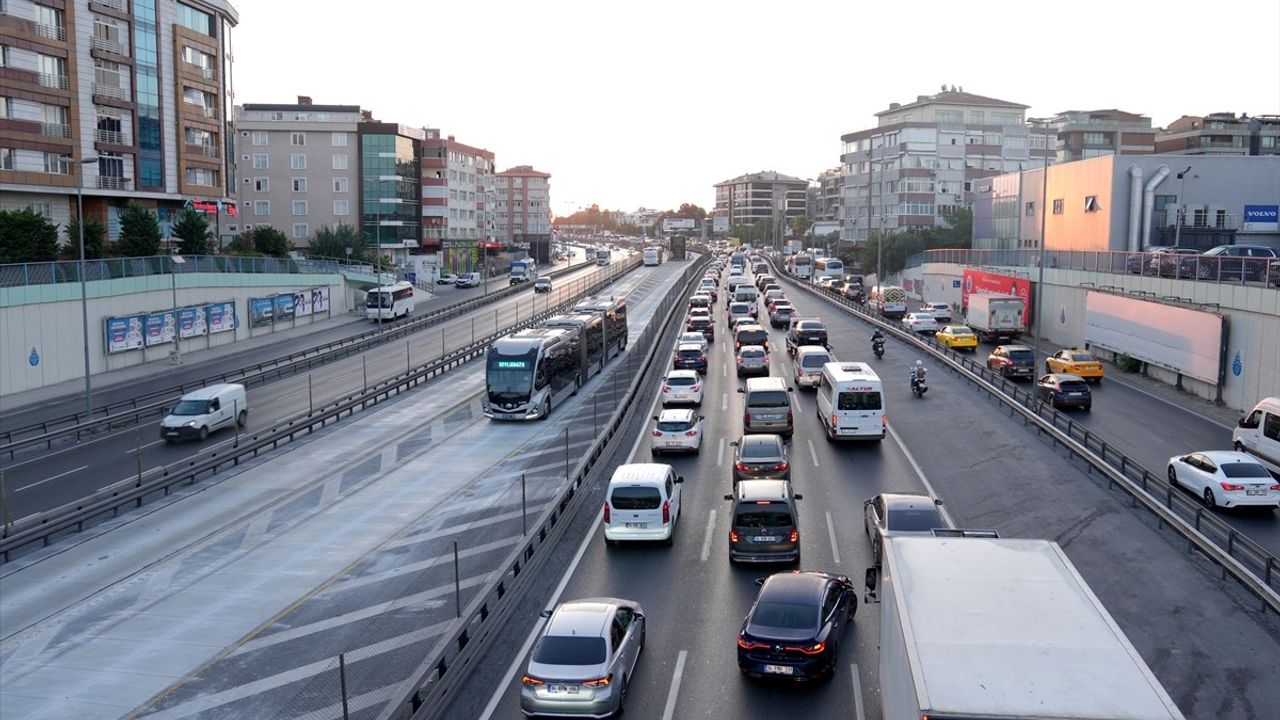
(1182, 205)
(174, 262)
(84, 297)
(1044, 214)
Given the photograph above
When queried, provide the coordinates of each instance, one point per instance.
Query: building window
(338, 139)
(42, 209)
(6, 159)
(262, 207)
(301, 230)
(56, 163)
(341, 208)
(258, 137)
(340, 185)
(298, 162)
(262, 184)
(1057, 206)
(1095, 138)
(202, 177)
(196, 136)
(202, 60)
(198, 20)
(299, 184)
(260, 161)
(299, 207)
(1091, 203)
(297, 139)
(977, 117)
(1030, 210)
(991, 138)
(340, 161)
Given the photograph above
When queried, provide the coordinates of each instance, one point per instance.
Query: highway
(1205, 641)
(41, 480)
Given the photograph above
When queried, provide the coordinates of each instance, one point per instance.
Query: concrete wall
(46, 319)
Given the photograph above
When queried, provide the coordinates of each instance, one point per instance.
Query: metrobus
(801, 265)
(594, 344)
(652, 256)
(614, 312)
(603, 256)
(530, 372)
(888, 300)
(389, 301)
(827, 267)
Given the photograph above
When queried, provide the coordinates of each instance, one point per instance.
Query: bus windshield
(510, 377)
(385, 300)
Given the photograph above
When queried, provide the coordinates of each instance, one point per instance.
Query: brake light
(666, 388)
(657, 433)
(766, 359)
(733, 536)
(835, 420)
(781, 467)
(746, 644)
(599, 682)
(1275, 487)
(746, 418)
(788, 417)
(815, 649)
(1230, 486)
(692, 433)
(666, 512)
(703, 358)
(606, 512)
(740, 467)
(795, 536)
(531, 680)
(693, 388)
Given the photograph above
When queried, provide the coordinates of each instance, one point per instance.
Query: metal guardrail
(116, 415)
(1208, 268)
(426, 694)
(1248, 562)
(43, 528)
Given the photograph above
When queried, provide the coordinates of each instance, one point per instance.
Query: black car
(703, 325)
(1063, 390)
(690, 357)
(751, 335)
(794, 627)
(1231, 263)
(1013, 361)
(760, 455)
(806, 332)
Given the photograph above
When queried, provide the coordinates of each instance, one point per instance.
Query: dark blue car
(794, 627)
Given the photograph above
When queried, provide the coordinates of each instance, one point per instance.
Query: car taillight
(795, 536)
(606, 512)
(703, 358)
(740, 467)
(835, 420)
(531, 680)
(1275, 487)
(599, 682)
(657, 433)
(780, 467)
(693, 388)
(666, 388)
(666, 512)
(733, 536)
(746, 644)
(788, 416)
(766, 359)
(1230, 486)
(746, 418)
(815, 649)
(692, 433)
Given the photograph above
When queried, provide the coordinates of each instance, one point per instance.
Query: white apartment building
(458, 197)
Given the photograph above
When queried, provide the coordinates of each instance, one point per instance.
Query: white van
(642, 503)
(205, 410)
(851, 402)
(1258, 434)
(746, 292)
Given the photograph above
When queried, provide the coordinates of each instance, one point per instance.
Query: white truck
(525, 270)
(1001, 629)
(996, 318)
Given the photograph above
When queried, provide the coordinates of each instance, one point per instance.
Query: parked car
(1075, 362)
(1225, 478)
(690, 357)
(1231, 263)
(957, 337)
(1061, 390)
(760, 455)
(940, 311)
(1013, 361)
(895, 514)
(1164, 261)
(583, 659)
(676, 430)
(794, 627)
(752, 360)
(919, 322)
(682, 386)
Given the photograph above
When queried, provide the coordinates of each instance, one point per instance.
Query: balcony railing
(1168, 218)
(54, 81)
(121, 5)
(110, 46)
(111, 91)
(115, 137)
(53, 32)
(210, 151)
(209, 112)
(205, 72)
(55, 130)
(107, 182)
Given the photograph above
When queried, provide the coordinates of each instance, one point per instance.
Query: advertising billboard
(989, 283)
(161, 328)
(1180, 339)
(124, 333)
(320, 300)
(261, 311)
(191, 322)
(677, 224)
(283, 307)
(1262, 218)
(221, 317)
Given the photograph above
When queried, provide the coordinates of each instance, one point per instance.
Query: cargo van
(642, 503)
(1258, 434)
(746, 292)
(851, 402)
(205, 410)
(767, 406)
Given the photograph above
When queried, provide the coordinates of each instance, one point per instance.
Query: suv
(805, 331)
(704, 325)
(940, 311)
(1228, 262)
(1013, 361)
(764, 523)
(690, 357)
(767, 406)
(1062, 390)
(751, 334)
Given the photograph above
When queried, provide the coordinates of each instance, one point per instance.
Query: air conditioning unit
(231, 228)
(958, 198)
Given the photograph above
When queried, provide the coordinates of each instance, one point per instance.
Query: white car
(682, 386)
(1225, 478)
(940, 311)
(740, 310)
(677, 430)
(920, 322)
(694, 338)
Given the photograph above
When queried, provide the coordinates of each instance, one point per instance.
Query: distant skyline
(630, 104)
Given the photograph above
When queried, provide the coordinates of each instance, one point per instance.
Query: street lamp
(174, 262)
(84, 297)
(1182, 205)
(1044, 214)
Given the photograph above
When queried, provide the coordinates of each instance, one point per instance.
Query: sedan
(957, 337)
(682, 386)
(795, 625)
(752, 360)
(760, 455)
(1075, 362)
(690, 357)
(1061, 390)
(677, 430)
(894, 514)
(919, 322)
(1225, 478)
(581, 663)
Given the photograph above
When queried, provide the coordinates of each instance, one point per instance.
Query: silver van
(205, 410)
(767, 406)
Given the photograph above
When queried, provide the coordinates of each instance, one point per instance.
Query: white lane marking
(831, 529)
(812, 452)
(724, 369)
(724, 403)
(670, 710)
(857, 692)
(720, 453)
(132, 477)
(711, 527)
(132, 450)
(48, 479)
(920, 473)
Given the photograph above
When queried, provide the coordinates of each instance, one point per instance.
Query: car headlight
(191, 423)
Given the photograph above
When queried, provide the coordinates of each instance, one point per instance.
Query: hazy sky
(650, 103)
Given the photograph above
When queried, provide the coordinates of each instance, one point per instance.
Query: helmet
(919, 363)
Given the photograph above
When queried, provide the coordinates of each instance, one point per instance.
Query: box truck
(996, 318)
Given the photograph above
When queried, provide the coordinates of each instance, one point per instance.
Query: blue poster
(261, 312)
(124, 333)
(284, 307)
(221, 317)
(161, 328)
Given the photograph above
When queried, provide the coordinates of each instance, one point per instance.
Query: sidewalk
(1220, 414)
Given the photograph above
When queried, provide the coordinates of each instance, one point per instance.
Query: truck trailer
(996, 318)
(1001, 629)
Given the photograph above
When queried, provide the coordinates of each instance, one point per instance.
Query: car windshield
(752, 353)
(739, 308)
(759, 450)
(190, 407)
(811, 327)
(792, 616)
(699, 322)
(674, 425)
(679, 380)
(1074, 386)
(867, 400)
(1083, 357)
(570, 650)
(814, 361)
(961, 331)
(690, 353)
(914, 519)
(768, 399)
(782, 310)
(636, 498)
(1022, 355)
(753, 337)
(1244, 470)
(759, 516)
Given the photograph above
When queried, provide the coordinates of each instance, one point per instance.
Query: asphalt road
(1204, 640)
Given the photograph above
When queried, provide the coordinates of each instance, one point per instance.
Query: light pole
(84, 297)
(1044, 214)
(174, 262)
(1182, 205)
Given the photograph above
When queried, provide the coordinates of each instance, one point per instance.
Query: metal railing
(1256, 569)
(41, 529)
(112, 91)
(53, 81)
(1211, 268)
(68, 271)
(52, 32)
(55, 130)
(111, 182)
(111, 46)
(115, 137)
(121, 5)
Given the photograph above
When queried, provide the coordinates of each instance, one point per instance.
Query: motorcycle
(919, 386)
(877, 346)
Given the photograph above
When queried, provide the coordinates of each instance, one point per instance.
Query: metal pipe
(1149, 201)
(1135, 208)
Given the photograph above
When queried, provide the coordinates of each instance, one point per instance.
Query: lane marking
(711, 526)
(132, 450)
(857, 692)
(831, 530)
(720, 453)
(812, 452)
(48, 479)
(724, 403)
(920, 473)
(724, 369)
(670, 710)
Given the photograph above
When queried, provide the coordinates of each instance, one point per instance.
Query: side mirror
(655, 417)
(679, 479)
(637, 616)
(545, 614)
(873, 578)
(733, 443)
(760, 581)
(791, 389)
(702, 417)
(937, 501)
(1240, 423)
(798, 496)
(868, 501)
(742, 390)
(728, 497)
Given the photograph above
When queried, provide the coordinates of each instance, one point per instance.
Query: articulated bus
(614, 312)
(596, 350)
(827, 267)
(801, 265)
(389, 301)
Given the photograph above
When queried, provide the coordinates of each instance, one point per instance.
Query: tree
(94, 232)
(270, 241)
(333, 243)
(242, 244)
(27, 236)
(689, 210)
(139, 232)
(192, 232)
(799, 225)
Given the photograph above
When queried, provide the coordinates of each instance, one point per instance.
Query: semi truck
(525, 270)
(977, 626)
(996, 318)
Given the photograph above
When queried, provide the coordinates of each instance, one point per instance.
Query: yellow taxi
(957, 337)
(1076, 362)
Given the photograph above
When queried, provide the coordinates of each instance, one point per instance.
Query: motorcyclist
(877, 336)
(917, 373)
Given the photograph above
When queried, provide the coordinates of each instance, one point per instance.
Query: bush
(139, 232)
(1128, 364)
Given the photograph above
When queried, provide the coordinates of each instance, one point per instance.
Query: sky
(631, 104)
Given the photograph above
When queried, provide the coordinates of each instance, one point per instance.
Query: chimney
(921, 98)
(894, 106)
(451, 138)
(304, 100)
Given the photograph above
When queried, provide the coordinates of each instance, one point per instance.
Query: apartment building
(127, 100)
(748, 199)
(825, 197)
(922, 158)
(1221, 134)
(458, 198)
(1085, 134)
(523, 213)
(298, 167)
(391, 187)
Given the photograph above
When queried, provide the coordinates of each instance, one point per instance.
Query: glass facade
(147, 92)
(391, 179)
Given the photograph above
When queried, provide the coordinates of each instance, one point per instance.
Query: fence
(1181, 265)
(68, 271)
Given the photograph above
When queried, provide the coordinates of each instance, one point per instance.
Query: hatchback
(794, 627)
(780, 314)
(584, 658)
(920, 322)
(1013, 361)
(1061, 390)
(752, 360)
(1225, 478)
(760, 456)
(704, 325)
(676, 430)
(741, 310)
(764, 524)
(767, 406)
(682, 386)
(690, 357)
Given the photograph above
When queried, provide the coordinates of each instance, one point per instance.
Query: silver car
(582, 662)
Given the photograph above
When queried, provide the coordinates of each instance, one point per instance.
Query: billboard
(283, 307)
(989, 283)
(191, 322)
(720, 224)
(221, 317)
(124, 333)
(1265, 218)
(161, 327)
(1180, 339)
(678, 224)
(261, 311)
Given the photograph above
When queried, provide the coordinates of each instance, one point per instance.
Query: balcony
(108, 182)
(209, 112)
(59, 82)
(115, 137)
(209, 151)
(52, 32)
(55, 130)
(112, 91)
(121, 5)
(111, 46)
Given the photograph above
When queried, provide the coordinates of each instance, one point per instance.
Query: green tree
(798, 226)
(333, 243)
(270, 241)
(689, 210)
(192, 232)
(94, 233)
(27, 236)
(242, 244)
(139, 232)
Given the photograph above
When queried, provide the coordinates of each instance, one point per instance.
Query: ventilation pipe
(1149, 200)
(1135, 208)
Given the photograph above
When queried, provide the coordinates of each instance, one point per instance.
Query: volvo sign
(1264, 218)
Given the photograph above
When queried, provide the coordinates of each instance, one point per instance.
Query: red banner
(989, 283)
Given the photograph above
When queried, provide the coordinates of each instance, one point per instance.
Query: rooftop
(952, 97)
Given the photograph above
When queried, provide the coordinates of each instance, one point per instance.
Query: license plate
(779, 669)
(637, 525)
(1255, 492)
(563, 689)
(673, 444)
(682, 395)
(764, 538)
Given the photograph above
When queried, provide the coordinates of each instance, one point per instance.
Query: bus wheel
(546, 409)
(577, 384)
